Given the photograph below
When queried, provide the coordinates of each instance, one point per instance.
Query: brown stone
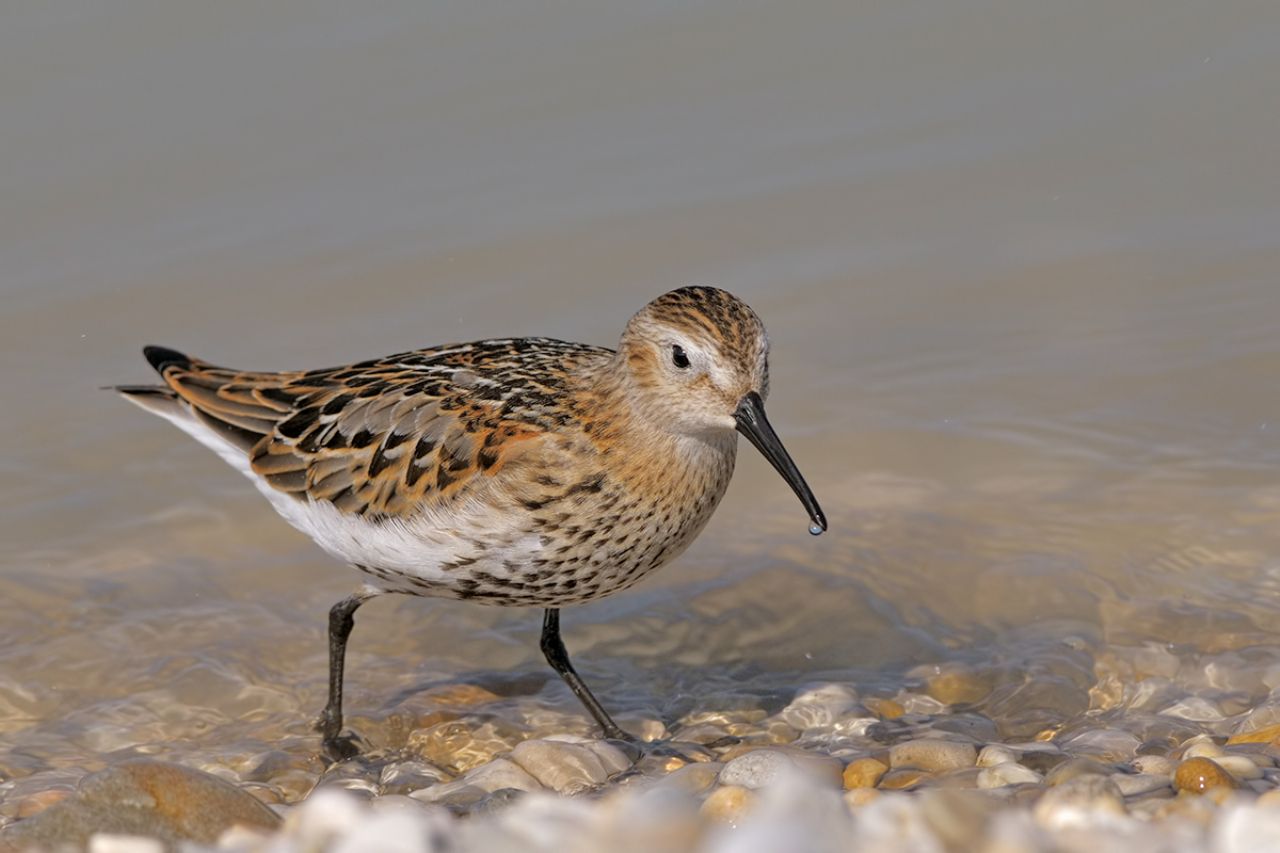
(885, 709)
(863, 773)
(32, 804)
(1201, 775)
(1270, 734)
(154, 799)
(903, 780)
(957, 687)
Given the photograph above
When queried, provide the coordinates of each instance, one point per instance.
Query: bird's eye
(678, 357)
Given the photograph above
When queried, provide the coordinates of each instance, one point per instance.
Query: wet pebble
(864, 773)
(1201, 775)
(1007, 773)
(1080, 802)
(886, 709)
(1202, 747)
(499, 774)
(907, 779)
(728, 804)
(460, 745)
(1241, 767)
(1103, 744)
(932, 755)
(994, 754)
(148, 798)
(1137, 784)
(693, 778)
(1159, 765)
(1267, 734)
(819, 706)
(761, 767)
(569, 767)
(1074, 768)
(957, 685)
(407, 776)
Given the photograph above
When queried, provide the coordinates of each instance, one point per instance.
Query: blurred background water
(1018, 263)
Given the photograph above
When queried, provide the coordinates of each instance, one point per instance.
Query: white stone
(1008, 773)
(564, 767)
(1202, 747)
(1194, 708)
(1241, 767)
(1084, 802)
(762, 767)
(1107, 744)
(488, 777)
(819, 706)
(994, 754)
(1135, 784)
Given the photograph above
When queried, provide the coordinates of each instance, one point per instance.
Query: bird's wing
(390, 436)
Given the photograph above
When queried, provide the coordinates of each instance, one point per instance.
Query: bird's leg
(341, 621)
(553, 649)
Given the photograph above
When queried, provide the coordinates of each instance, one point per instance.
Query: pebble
(994, 754)
(407, 776)
(143, 797)
(1137, 784)
(1007, 773)
(497, 775)
(566, 768)
(1241, 767)
(885, 709)
(907, 779)
(932, 755)
(1103, 744)
(864, 773)
(728, 804)
(1073, 769)
(957, 686)
(1079, 803)
(1160, 765)
(761, 767)
(819, 706)
(1201, 775)
(1268, 734)
(1202, 748)
(693, 778)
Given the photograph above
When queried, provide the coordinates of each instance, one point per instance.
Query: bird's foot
(335, 745)
(341, 747)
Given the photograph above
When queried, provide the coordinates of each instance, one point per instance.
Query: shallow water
(1018, 264)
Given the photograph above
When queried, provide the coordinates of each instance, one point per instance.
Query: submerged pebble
(147, 798)
(568, 767)
(933, 755)
(1201, 775)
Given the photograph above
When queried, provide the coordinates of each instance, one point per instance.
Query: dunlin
(526, 472)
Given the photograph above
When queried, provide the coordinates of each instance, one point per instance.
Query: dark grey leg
(341, 621)
(553, 649)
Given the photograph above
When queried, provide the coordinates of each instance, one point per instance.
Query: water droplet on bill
(816, 529)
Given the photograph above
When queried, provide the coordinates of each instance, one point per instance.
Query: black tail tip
(162, 357)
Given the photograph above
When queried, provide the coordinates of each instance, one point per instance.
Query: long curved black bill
(755, 426)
